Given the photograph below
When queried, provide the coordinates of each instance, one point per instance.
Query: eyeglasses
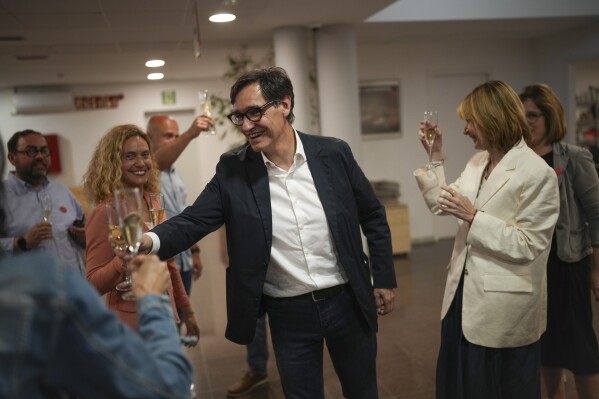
(533, 116)
(32, 152)
(253, 114)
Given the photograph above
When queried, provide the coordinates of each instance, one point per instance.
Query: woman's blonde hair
(497, 110)
(103, 176)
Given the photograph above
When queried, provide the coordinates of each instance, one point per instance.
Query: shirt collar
(22, 183)
(298, 156)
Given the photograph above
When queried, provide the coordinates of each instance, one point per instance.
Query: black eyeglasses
(533, 116)
(253, 114)
(32, 152)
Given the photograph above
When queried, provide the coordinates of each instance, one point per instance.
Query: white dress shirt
(303, 256)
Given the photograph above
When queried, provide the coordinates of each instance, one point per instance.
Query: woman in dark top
(573, 266)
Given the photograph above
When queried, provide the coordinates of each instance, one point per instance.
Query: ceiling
(89, 41)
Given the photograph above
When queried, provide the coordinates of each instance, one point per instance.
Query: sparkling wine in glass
(156, 209)
(46, 204)
(114, 233)
(129, 208)
(206, 107)
(430, 124)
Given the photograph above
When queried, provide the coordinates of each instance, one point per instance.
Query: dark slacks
(187, 278)
(299, 328)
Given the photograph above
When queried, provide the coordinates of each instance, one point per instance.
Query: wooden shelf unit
(399, 223)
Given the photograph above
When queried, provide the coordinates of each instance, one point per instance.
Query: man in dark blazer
(293, 205)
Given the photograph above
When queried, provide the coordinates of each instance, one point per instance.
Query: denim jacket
(577, 227)
(57, 338)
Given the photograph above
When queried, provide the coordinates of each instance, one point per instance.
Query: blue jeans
(186, 277)
(299, 328)
(257, 351)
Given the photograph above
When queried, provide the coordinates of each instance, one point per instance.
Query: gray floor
(408, 339)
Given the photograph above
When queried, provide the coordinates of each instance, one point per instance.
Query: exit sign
(169, 97)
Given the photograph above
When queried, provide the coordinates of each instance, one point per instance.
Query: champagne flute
(206, 107)
(430, 124)
(114, 233)
(129, 208)
(46, 204)
(46, 208)
(156, 209)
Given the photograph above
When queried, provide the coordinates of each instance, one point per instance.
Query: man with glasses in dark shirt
(61, 233)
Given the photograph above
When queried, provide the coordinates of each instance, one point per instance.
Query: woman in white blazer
(506, 203)
(573, 266)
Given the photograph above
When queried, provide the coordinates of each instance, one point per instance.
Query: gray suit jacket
(578, 223)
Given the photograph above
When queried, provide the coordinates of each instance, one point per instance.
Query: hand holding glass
(129, 208)
(430, 124)
(206, 107)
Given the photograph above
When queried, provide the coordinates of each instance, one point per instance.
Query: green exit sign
(169, 97)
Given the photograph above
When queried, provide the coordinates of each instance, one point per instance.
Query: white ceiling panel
(50, 7)
(63, 21)
(118, 6)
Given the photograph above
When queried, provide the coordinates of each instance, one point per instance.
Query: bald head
(162, 129)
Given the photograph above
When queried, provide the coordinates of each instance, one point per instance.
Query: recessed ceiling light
(155, 76)
(154, 63)
(222, 17)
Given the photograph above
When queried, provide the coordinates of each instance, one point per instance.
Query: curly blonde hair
(104, 176)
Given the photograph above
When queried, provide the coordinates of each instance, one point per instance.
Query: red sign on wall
(83, 103)
(52, 140)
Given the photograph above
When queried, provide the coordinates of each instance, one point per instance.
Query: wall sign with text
(83, 103)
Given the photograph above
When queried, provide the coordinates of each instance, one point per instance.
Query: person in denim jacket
(58, 340)
(573, 265)
(58, 337)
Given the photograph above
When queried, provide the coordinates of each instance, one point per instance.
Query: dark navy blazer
(239, 196)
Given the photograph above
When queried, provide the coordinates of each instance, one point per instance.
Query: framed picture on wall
(379, 108)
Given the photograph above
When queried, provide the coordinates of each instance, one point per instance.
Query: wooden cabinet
(80, 196)
(399, 223)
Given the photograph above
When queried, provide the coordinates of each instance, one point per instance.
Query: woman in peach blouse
(123, 159)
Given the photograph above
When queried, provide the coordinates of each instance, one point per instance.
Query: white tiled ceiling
(105, 32)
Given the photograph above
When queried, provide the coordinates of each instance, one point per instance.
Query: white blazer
(503, 254)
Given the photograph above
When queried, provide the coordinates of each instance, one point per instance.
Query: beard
(35, 174)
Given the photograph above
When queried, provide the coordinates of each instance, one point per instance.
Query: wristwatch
(22, 244)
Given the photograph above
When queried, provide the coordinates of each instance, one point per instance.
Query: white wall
(555, 60)
(414, 64)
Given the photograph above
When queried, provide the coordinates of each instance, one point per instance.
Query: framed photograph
(379, 108)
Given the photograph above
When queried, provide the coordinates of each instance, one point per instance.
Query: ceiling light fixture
(197, 38)
(155, 76)
(155, 63)
(222, 17)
